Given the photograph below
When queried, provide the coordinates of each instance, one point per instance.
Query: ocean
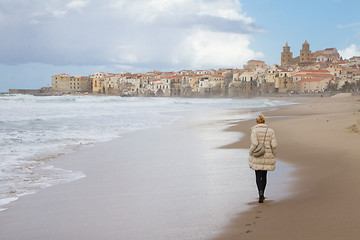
(34, 130)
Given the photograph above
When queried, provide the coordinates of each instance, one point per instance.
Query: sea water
(33, 130)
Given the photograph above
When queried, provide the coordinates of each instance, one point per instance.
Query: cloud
(153, 34)
(76, 5)
(350, 25)
(23, 11)
(350, 51)
(204, 48)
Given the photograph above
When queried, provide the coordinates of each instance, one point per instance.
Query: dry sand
(320, 137)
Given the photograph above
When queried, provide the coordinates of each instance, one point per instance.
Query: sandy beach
(171, 182)
(176, 197)
(321, 138)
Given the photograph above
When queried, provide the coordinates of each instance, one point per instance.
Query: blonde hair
(260, 119)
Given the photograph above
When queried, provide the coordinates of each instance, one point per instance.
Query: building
(330, 53)
(190, 85)
(320, 58)
(285, 82)
(271, 75)
(161, 87)
(313, 80)
(212, 85)
(67, 83)
(335, 70)
(286, 56)
(312, 85)
(98, 85)
(247, 77)
(252, 65)
(305, 57)
(176, 85)
(304, 73)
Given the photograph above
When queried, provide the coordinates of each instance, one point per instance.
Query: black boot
(261, 196)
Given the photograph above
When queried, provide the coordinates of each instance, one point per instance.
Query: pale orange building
(312, 85)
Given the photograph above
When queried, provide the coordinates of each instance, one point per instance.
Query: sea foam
(33, 130)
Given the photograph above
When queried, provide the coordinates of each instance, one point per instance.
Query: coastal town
(310, 72)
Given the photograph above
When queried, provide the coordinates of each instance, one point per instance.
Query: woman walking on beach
(262, 162)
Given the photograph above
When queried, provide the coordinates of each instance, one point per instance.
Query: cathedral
(307, 57)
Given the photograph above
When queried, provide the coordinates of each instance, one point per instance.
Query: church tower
(305, 54)
(286, 56)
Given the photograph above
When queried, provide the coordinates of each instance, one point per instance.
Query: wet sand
(171, 182)
(321, 139)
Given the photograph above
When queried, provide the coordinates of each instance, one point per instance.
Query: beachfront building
(219, 82)
(190, 85)
(313, 85)
(161, 87)
(272, 79)
(130, 85)
(106, 83)
(192, 82)
(313, 80)
(98, 85)
(121, 84)
(236, 75)
(144, 81)
(211, 85)
(176, 85)
(271, 75)
(112, 84)
(67, 83)
(244, 84)
(285, 82)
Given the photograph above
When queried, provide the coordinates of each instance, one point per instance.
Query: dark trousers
(261, 180)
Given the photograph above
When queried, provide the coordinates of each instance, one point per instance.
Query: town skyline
(81, 37)
(320, 71)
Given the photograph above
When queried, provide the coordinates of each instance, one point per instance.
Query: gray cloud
(129, 33)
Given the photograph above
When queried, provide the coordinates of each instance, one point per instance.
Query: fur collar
(261, 125)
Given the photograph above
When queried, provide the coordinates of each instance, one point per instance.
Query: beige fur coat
(267, 161)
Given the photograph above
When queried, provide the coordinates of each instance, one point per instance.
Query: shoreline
(262, 96)
(320, 137)
(44, 156)
(141, 186)
(80, 204)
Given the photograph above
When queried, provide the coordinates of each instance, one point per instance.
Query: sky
(39, 39)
